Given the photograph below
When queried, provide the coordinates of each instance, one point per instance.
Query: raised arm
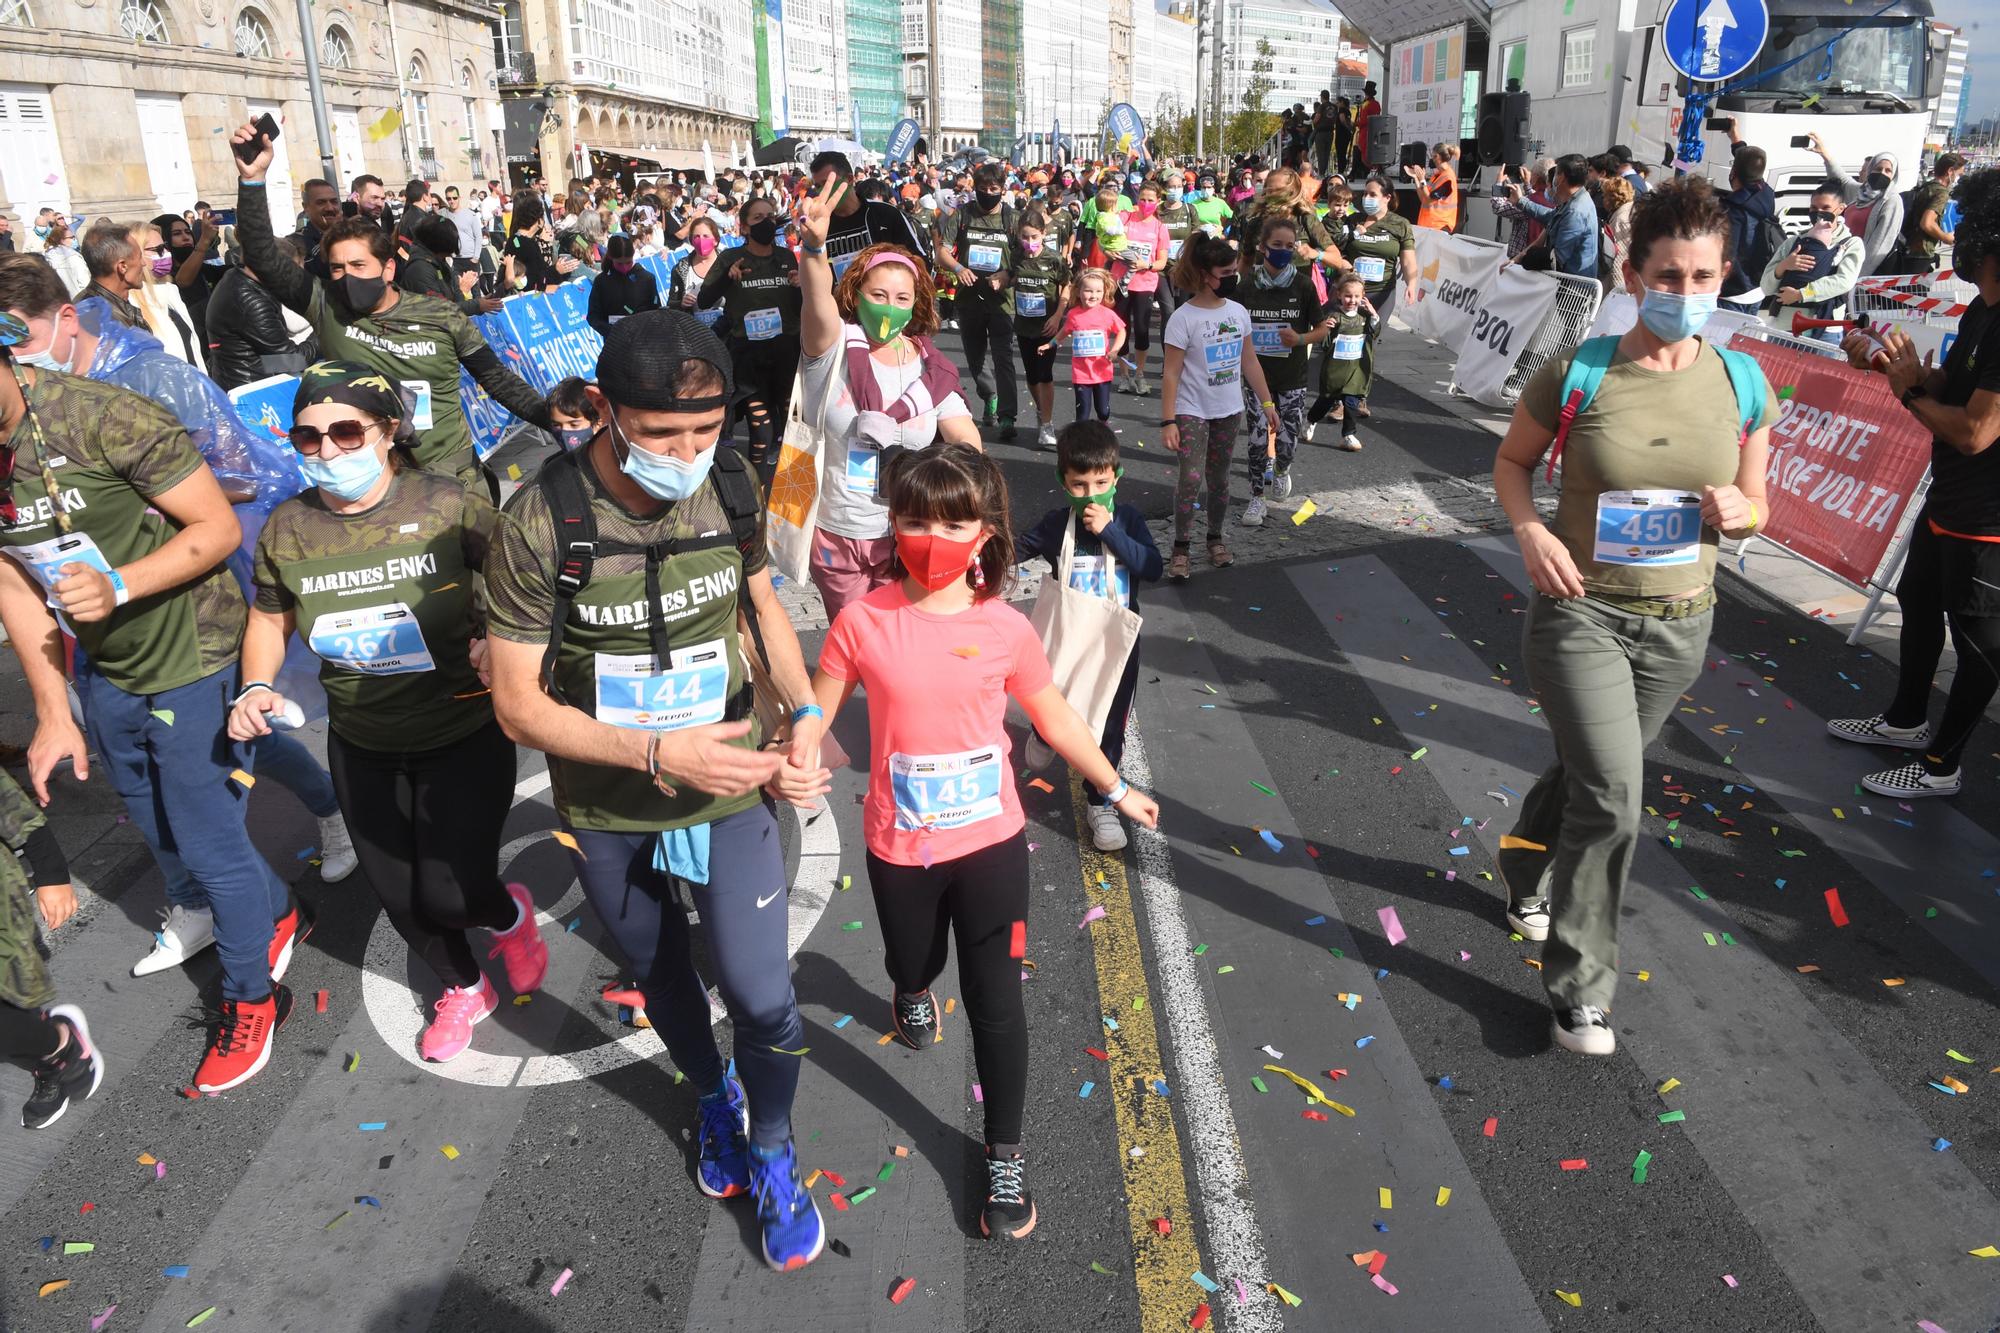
(281, 277)
(821, 317)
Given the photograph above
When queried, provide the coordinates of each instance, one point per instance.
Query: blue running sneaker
(724, 1170)
(794, 1234)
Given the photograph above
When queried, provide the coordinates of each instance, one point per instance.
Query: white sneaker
(1046, 436)
(1584, 1030)
(1312, 431)
(1350, 444)
(1282, 486)
(188, 930)
(1040, 756)
(1107, 830)
(1529, 920)
(1141, 387)
(1253, 513)
(336, 850)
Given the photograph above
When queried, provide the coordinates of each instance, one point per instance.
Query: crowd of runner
(618, 614)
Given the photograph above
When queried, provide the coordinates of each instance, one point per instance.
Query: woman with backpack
(1663, 440)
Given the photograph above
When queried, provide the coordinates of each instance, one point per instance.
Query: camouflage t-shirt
(110, 452)
(384, 597)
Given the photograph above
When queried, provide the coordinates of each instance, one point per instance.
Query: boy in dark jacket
(1112, 541)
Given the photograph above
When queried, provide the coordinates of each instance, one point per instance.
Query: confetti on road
(556, 1288)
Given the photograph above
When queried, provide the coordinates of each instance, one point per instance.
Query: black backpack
(577, 549)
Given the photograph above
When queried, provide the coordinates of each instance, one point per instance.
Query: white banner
(1426, 86)
(1452, 271)
(1510, 310)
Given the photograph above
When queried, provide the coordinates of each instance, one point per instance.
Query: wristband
(249, 688)
(804, 711)
(1170, 421)
(1756, 517)
(1118, 793)
(813, 249)
(1268, 403)
(120, 594)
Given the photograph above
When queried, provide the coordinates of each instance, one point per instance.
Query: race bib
(1031, 303)
(420, 405)
(1371, 268)
(759, 325)
(1222, 359)
(1174, 248)
(1087, 574)
(1139, 254)
(633, 692)
(1648, 528)
(1089, 342)
(863, 468)
(985, 258)
(1347, 346)
(374, 640)
(613, 319)
(945, 790)
(711, 316)
(1268, 339)
(45, 559)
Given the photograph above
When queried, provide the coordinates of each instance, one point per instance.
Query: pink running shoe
(521, 946)
(451, 1031)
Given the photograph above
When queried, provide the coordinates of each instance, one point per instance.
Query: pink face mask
(1147, 208)
(704, 244)
(163, 264)
(621, 266)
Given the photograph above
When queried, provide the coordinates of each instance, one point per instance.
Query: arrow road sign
(1714, 40)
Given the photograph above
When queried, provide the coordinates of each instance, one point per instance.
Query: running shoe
(1046, 436)
(916, 1020)
(1039, 756)
(1142, 387)
(1530, 920)
(1107, 830)
(1361, 409)
(242, 1043)
(1253, 513)
(457, 1013)
(187, 931)
(1584, 1030)
(1877, 731)
(1350, 443)
(794, 1233)
(521, 945)
(1178, 567)
(1913, 780)
(1010, 1209)
(1006, 433)
(1218, 554)
(71, 1074)
(724, 1127)
(336, 850)
(287, 933)
(992, 413)
(1281, 486)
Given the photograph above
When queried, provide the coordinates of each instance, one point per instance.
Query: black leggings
(765, 371)
(981, 898)
(1937, 578)
(1038, 367)
(426, 827)
(27, 1035)
(1136, 309)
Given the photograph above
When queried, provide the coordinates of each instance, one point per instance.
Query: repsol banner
(1846, 461)
(1452, 272)
(1510, 309)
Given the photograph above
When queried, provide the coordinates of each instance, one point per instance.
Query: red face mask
(935, 561)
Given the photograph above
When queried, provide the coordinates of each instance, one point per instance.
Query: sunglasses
(347, 436)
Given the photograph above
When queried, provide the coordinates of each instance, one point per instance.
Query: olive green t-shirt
(1295, 306)
(418, 343)
(384, 598)
(1668, 433)
(764, 303)
(1376, 252)
(110, 453)
(1039, 282)
(606, 667)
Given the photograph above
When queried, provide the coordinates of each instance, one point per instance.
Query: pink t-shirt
(1094, 327)
(1146, 241)
(940, 781)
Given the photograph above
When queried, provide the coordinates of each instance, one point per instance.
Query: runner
(685, 283)
(1040, 279)
(1287, 321)
(947, 854)
(1179, 218)
(1624, 579)
(624, 288)
(1211, 212)
(976, 244)
(417, 342)
(758, 290)
(1137, 270)
(856, 223)
(423, 771)
(1202, 403)
(1349, 361)
(872, 378)
(656, 772)
(1096, 335)
(1378, 247)
(132, 552)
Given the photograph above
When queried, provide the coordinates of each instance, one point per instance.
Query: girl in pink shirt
(940, 652)
(1096, 335)
(1138, 268)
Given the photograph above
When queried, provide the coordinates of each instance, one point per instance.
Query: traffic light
(1503, 129)
(1382, 140)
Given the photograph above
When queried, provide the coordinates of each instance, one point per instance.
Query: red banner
(1846, 460)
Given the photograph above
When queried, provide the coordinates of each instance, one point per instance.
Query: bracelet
(653, 766)
(120, 594)
(812, 249)
(1170, 421)
(1756, 517)
(251, 686)
(1118, 793)
(1267, 403)
(804, 711)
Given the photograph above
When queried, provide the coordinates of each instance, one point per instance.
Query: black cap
(641, 364)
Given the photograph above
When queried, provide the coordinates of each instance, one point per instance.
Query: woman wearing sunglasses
(373, 567)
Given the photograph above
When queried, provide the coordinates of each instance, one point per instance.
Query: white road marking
(1231, 1237)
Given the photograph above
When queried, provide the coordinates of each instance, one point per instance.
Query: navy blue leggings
(747, 940)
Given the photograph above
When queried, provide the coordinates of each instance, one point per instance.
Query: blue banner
(901, 140)
(1124, 132)
(266, 406)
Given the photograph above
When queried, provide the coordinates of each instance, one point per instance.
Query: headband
(891, 257)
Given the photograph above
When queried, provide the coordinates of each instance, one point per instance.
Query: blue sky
(1985, 100)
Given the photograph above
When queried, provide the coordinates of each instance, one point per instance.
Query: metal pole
(931, 71)
(1215, 78)
(402, 95)
(1200, 102)
(321, 124)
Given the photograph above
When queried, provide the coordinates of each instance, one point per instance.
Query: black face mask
(1878, 181)
(1227, 287)
(764, 231)
(987, 202)
(1823, 215)
(358, 296)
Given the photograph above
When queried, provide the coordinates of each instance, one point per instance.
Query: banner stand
(1881, 583)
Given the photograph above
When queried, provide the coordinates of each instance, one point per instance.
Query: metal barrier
(1811, 346)
(1561, 331)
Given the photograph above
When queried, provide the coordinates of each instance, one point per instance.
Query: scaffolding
(1001, 61)
(875, 68)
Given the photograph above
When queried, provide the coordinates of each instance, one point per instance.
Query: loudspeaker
(1492, 106)
(1513, 129)
(1416, 154)
(1381, 147)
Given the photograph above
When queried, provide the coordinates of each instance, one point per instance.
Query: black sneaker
(1010, 1209)
(1911, 781)
(916, 1020)
(1007, 433)
(73, 1072)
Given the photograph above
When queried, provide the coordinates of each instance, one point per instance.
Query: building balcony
(519, 72)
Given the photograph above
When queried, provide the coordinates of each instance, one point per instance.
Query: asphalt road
(1350, 688)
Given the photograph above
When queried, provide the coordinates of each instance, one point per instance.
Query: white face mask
(46, 359)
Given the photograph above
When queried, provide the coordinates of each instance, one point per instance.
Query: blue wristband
(1118, 793)
(804, 711)
(120, 595)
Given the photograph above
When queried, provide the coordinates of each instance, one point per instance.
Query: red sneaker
(521, 945)
(242, 1044)
(288, 931)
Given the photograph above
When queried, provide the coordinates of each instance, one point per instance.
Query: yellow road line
(1155, 1184)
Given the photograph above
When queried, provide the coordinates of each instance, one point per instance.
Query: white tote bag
(1088, 635)
(792, 508)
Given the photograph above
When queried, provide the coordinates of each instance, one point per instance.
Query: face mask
(1672, 317)
(1226, 288)
(357, 294)
(704, 245)
(1278, 258)
(163, 265)
(764, 231)
(1174, 196)
(1147, 208)
(1205, 192)
(659, 476)
(575, 437)
(936, 562)
(46, 358)
(1372, 204)
(987, 202)
(883, 322)
(1108, 498)
(348, 477)
(621, 266)
(1031, 247)
(41, 229)
(1878, 181)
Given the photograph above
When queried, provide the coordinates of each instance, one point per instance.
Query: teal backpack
(1593, 358)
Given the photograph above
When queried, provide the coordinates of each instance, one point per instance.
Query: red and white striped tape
(1918, 303)
(1905, 280)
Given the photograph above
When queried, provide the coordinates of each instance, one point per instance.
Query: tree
(1172, 128)
(1251, 125)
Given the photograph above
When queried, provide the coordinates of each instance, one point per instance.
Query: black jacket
(1753, 216)
(420, 271)
(248, 339)
(614, 295)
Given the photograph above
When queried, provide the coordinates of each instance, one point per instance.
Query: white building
(1566, 54)
(1304, 36)
(1944, 117)
(816, 86)
(961, 113)
(1163, 65)
(1066, 67)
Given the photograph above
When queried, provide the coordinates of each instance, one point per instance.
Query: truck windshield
(1884, 56)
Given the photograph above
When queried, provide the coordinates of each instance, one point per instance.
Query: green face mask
(1107, 498)
(883, 322)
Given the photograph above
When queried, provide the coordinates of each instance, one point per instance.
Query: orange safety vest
(1439, 213)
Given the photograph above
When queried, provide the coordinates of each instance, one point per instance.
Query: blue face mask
(1673, 317)
(349, 477)
(659, 476)
(1174, 194)
(1278, 257)
(1372, 204)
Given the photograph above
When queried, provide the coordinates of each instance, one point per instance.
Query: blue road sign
(1713, 40)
